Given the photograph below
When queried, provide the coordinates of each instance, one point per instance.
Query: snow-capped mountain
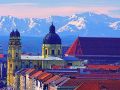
(85, 24)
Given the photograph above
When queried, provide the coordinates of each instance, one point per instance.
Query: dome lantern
(52, 28)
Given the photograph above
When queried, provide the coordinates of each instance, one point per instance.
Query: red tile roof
(73, 82)
(36, 74)
(99, 85)
(60, 80)
(75, 49)
(30, 70)
(56, 67)
(90, 85)
(1, 55)
(110, 84)
(44, 76)
(104, 67)
(52, 79)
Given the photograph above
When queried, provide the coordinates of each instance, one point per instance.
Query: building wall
(49, 48)
(27, 82)
(37, 64)
(52, 87)
(17, 82)
(74, 63)
(22, 82)
(48, 63)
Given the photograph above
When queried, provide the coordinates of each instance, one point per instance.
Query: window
(58, 52)
(10, 65)
(53, 52)
(40, 84)
(16, 54)
(26, 66)
(30, 64)
(23, 64)
(16, 67)
(36, 83)
(35, 66)
(45, 51)
(69, 64)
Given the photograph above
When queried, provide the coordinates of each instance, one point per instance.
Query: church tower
(51, 44)
(14, 57)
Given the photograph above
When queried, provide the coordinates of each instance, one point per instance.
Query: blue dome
(52, 37)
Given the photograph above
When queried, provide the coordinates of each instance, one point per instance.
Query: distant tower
(51, 44)
(14, 56)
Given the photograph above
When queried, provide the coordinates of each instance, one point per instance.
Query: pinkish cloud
(29, 10)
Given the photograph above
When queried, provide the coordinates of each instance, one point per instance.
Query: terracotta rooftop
(1, 55)
(44, 76)
(94, 46)
(59, 81)
(36, 74)
(75, 49)
(24, 71)
(90, 85)
(72, 82)
(30, 70)
(104, 67)
(52, 79)
(100, 85)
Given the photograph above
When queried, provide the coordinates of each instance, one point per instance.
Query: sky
(46, 8)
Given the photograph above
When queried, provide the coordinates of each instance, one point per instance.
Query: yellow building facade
(14, 54)
(51, 55)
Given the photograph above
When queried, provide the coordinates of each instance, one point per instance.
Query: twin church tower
(51, 48)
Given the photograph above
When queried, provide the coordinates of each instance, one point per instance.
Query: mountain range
(84, 24)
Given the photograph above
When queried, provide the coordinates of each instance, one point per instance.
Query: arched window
(26, 66)
(53, 52)
(31, 65)
(23, 64)
(58, 52)
(10, 65)
(46, 52)
(16, 54)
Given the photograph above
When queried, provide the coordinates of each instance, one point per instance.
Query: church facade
(51, 55)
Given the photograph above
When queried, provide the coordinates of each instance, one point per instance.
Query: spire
(12, 34)
(17, 33)
(52, 28)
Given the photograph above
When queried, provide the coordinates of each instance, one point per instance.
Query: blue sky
(33, 8)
